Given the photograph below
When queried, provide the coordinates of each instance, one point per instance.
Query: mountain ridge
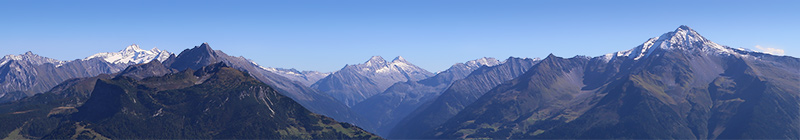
(387, 108)
(133, 54)
(681, 91)
(27, 74)
(355, 83)
(311, 99)
(215, 101)
(459, 94)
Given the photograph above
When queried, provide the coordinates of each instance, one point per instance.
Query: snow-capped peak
(404, 65)
(305, 77)
(485, 61)
(683, 38)
(375, 61)
(155, 49)
(376, 58)
(473, 64)
(30, 57)
(376, 65)
(399, 59)
(132, 54)
(133, 48)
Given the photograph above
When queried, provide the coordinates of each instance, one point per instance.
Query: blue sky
(433, 34)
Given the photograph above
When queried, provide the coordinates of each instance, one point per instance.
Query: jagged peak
(512, 59)
(27, 54)
(203, 49)
(378, 65)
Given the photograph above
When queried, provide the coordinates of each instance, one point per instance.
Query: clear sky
(325, 35)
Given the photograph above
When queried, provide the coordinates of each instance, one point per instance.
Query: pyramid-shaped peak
(133, 47)
(376, 58)
(399, 59)
(683, 33)
(196, 58)
(552, 59)
(375, 61)
(205, 45)
(683, 27)
(550, 56)
(29, 53)
(683, 38)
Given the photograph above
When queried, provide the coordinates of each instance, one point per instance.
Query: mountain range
(384, 110)
(30, 74)
(679, 85)
(305, 77)
(133, 54)
(215, 101)
(458, 95)
(320, 103)
(27, 74)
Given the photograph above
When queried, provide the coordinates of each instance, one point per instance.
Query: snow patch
(683, 39)
(132, 54)
(485, 61)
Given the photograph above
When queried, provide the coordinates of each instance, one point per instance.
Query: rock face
(676, 86)
(458, 95)
(151, 69)
(212, 102)
(27, 74)
(320, 103)
(385, 110)
(355, 83)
